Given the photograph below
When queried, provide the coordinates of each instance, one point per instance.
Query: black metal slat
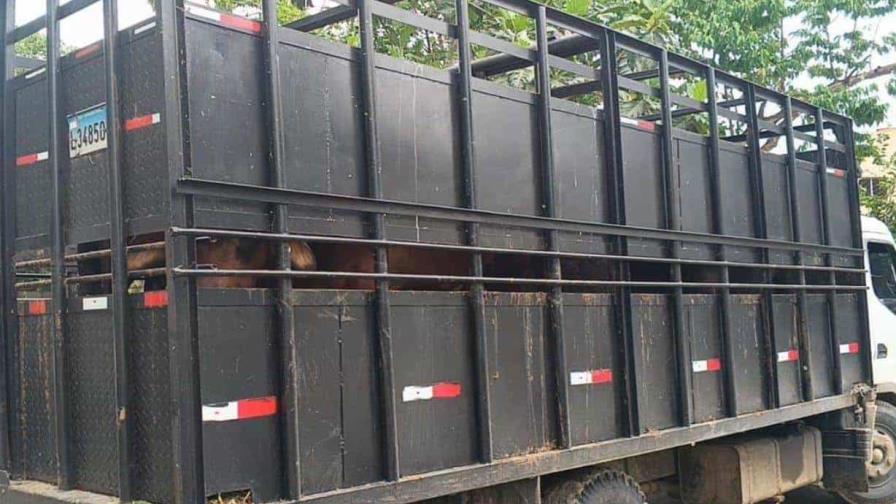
(477, 290)
(625, 357)
(549, 201)
(719, 216)
(833, 334)
(672, 200)
(183, 337)
(117, 245)
(367, 91)
(760, 224)
(289, 351)
(7, 254)
(802, 302)
(57, 249)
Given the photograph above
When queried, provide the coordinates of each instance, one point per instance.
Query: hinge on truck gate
(847, 439)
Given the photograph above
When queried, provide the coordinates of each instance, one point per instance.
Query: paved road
(805, 496)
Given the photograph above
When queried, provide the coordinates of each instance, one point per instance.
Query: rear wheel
(882, 467)
(602, 487)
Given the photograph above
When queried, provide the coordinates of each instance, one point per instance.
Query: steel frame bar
(7, 245)
(719, 219)
(183, 336)
(833, 334)
(671, 201)
(237, 191)
(119, 274)
(477, 289)
(549, 199)
(760, 222)
(57, 250)
(367, 91)
(288, 343)
(625, 359)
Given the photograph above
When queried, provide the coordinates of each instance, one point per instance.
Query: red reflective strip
(646, 125)
(27, 160)
(87, 51)
(37, 308)
(155, 299)
(241, 23)
(853, 348)
(446, 390)
(837, 173)
(601, 376)
(139, 122)
(714, 365)
(256, 408)
(790, 356)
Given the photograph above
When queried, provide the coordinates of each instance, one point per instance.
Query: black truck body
(221, 126)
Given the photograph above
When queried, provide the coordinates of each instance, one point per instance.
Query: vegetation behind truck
(614, 298)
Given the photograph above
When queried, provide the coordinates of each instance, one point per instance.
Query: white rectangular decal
(87, 131)
(97, 303)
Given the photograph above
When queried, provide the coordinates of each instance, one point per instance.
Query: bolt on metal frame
(180, 245)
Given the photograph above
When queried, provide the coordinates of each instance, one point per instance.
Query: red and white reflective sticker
(225, 19)
(837, 172)
(244, 409)
(155, 299)
(138, 123)
(444, 390)
(95, 303)
(707, 366)
(32, 159)
(595, 377)
(849, 348)
(791, 355)
(39, 307)
(641, 125)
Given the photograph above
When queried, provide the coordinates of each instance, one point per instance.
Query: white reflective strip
(224, 412)
(844, 348)
(156, 118)
(784, 356)
(410, 394)
(206, 13)
(580, 378)
(138, 31)
(35, 73)
(97, 303)
(43, 156)
(627, 120)
(700, 366)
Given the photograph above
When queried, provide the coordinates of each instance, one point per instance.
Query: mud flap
(847, 438)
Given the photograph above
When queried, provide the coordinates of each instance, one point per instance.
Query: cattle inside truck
(627, 286)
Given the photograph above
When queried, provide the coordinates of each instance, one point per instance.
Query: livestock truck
(572, 270)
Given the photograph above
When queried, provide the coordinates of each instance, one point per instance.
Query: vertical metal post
(673, 222)
(183, 337)
(374, 169)
(117, 235)
(858, 243)
(719, 217)
(7, 267)
(616, 183)
(57, 248)
(477, 290)
(549, 199)
(828, 259)
(760, 225)
(288, 344)
(808, 393)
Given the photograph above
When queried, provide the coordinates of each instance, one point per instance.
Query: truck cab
(881, 260)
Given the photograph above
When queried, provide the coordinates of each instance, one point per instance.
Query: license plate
(87, 132)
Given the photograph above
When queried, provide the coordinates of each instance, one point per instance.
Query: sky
(85, 27)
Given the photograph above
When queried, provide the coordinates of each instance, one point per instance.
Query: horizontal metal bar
(499, 280)
(690, 103)
(261, 194)
(580, 89)
(152, 272)
(574, 68)
(562, 47)
(502, 46)
(93, 254)
(324, 18)
(407, 17)
(26, 63)
(803, 136)
(227, 233)
(637, 86)
(730, 114)
(38, 24)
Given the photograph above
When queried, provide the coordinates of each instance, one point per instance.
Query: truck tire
(882, 468)
(611, 487)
